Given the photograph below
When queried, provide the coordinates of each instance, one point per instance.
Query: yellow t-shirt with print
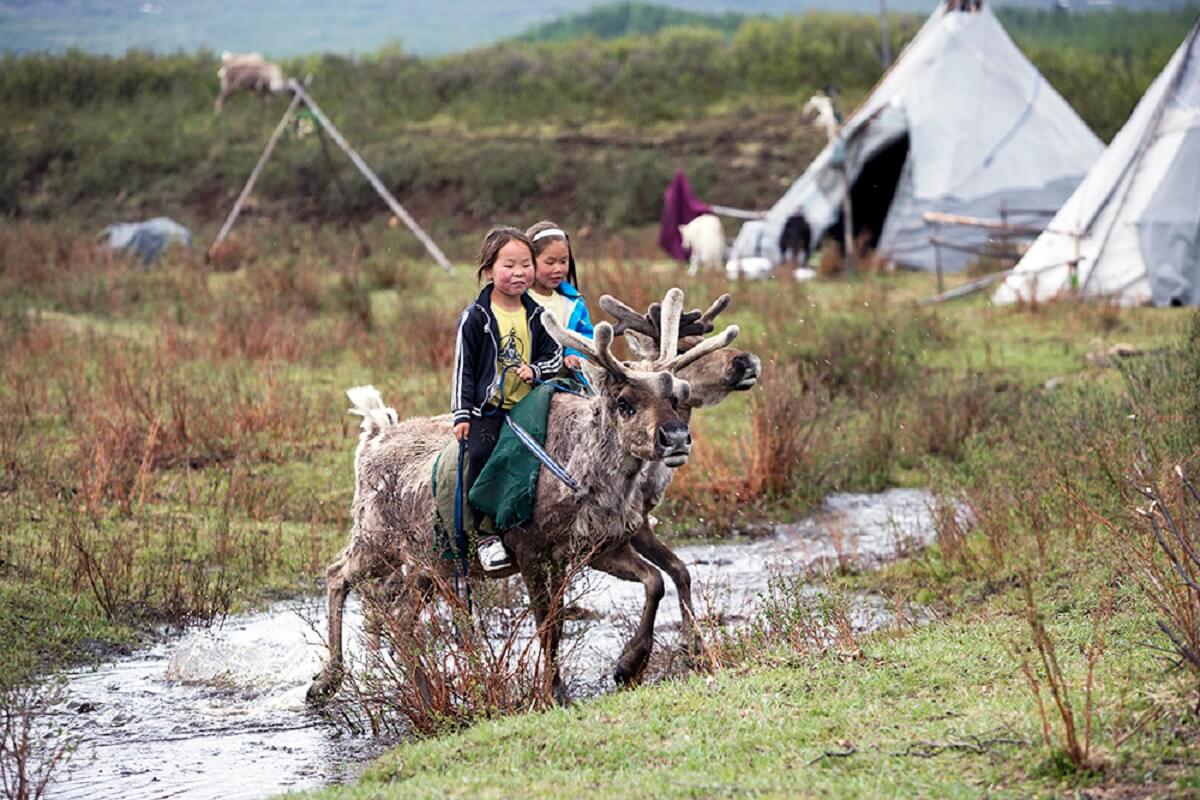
(513, 333)
(557, 302)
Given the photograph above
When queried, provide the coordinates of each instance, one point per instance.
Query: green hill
(284, 28)
(591, 124)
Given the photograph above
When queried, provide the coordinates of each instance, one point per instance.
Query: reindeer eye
(624, 407)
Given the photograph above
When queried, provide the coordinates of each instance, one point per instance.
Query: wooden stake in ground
(249, 187)
(371, 177)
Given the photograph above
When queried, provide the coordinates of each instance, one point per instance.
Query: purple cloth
(680, 207)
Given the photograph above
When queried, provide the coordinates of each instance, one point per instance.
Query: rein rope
(460, 532)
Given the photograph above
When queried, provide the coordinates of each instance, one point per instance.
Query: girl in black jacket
(502, 348)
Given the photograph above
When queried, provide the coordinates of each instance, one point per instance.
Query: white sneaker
(492, 555)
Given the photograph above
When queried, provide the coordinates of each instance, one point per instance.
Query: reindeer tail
(368, 404)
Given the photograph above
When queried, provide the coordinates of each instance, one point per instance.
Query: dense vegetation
(174, 444)
(135, 134)
(176, 448)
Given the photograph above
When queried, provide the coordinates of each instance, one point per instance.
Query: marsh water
(220, 712)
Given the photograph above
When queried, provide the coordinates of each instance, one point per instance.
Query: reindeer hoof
(323, 688)
(693, 657)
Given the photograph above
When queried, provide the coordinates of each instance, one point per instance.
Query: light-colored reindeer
(248, 72)
(604, 441)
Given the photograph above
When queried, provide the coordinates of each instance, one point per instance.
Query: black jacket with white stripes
(476, 350)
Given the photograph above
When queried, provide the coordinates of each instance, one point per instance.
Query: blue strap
(557, 385)
(579, 376)
(540, 453)
(460, 532)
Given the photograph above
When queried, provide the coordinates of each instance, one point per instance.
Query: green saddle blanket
(507, 487)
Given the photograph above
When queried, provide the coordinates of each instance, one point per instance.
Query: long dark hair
(540, 245)
(494, 241)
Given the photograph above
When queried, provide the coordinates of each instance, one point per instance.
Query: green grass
(252, 363)
(764, 730)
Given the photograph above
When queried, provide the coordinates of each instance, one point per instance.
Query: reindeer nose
(745, 371)
(674, 438)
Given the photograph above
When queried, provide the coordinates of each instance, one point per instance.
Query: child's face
(513, 269)
(552, 266)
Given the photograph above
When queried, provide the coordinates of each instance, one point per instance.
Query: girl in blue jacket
(555, 283)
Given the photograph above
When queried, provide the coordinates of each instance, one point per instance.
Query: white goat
(705, 237)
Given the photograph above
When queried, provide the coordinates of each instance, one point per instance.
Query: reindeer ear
(642, 346)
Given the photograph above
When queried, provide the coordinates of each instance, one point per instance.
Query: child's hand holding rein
(573, 362)
(525, 373)
(462, 430)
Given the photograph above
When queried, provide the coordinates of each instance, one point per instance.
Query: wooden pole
(847, 219)
(967, 288)
(249, 187)
(736, 213)
(372, 178)
(937, 256)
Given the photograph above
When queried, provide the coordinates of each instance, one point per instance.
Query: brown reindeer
(711, 378)
(604, 441)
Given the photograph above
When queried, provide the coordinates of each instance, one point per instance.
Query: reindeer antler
(723, 339)
(691, 323)
(599, 351)
(719, 305)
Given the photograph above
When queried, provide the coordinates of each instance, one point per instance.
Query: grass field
(176, 447)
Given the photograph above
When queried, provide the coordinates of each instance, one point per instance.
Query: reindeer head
(712, 374)
(642, 404)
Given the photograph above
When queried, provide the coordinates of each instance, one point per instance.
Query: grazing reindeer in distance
(247, 72)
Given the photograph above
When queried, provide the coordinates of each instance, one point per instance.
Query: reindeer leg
(409, 596)
(653, 550)
(352, 567)
(545, 582)
(337, 588)
(627, 565)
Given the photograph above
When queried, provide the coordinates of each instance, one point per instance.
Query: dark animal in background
(795, 240)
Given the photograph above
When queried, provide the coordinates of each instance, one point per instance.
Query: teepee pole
(372, 178)
(847, 219)
(249, 187)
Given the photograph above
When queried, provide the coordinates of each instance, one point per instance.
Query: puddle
(220, 713)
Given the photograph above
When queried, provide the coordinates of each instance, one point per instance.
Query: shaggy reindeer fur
(604, 441)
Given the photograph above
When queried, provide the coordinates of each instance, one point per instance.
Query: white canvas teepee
(962, 123)
(1131, 231)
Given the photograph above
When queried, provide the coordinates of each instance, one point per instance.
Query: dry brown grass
(780, 461)
(1045, 678)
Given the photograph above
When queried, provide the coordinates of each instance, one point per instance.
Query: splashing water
(220, 713)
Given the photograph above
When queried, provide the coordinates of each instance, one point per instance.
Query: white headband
(549, 232)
